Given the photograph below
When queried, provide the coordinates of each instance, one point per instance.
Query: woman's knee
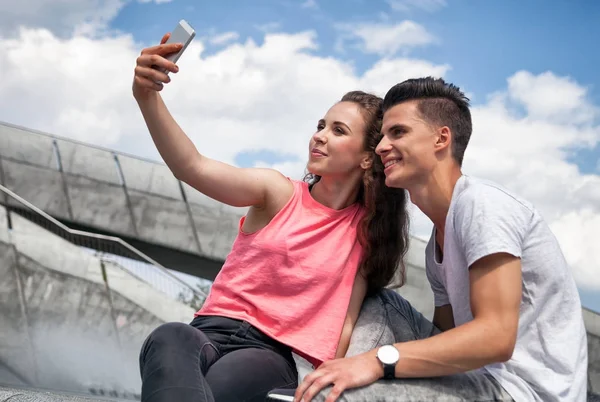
(173, 332)
(166, 337)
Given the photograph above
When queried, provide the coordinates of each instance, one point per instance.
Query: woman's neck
(336, 194)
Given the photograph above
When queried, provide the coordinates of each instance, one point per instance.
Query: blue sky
(483, 41)
(530, 68)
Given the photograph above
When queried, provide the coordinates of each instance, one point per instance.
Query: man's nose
(383, 147)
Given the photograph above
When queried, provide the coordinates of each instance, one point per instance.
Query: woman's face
(337, 148)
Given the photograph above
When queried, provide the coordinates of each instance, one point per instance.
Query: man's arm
(495, 283)
(490, 337)
(443, 318)
(492, 248)
(359, 291)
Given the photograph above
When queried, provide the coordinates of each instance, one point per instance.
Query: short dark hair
(440, 104)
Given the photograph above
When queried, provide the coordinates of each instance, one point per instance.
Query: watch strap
(389, 371)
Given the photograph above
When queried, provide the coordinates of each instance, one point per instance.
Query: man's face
(408, 147)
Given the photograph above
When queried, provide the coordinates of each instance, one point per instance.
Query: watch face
(388, 354)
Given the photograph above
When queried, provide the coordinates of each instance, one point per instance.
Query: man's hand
(343, 374)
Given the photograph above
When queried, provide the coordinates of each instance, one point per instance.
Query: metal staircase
(106, 247)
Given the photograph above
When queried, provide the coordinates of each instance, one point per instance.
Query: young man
(506, 304)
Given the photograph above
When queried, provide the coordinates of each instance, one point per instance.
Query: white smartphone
(183, 33)
(281, 394)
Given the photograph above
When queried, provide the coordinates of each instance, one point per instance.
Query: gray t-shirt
(549, 362)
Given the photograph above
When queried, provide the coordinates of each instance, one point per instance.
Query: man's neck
(433, 196)
(336, 194)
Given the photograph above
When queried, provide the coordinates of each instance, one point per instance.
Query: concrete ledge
(54, 253)
(42, 187)
(94, 163)
(592, 321)
(163, 221)
(31, 395)
(100, 205)
(23, 145)
(148, 177)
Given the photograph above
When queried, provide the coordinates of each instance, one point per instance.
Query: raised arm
(231, 185)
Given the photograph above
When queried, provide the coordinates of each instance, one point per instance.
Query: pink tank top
(293, 278)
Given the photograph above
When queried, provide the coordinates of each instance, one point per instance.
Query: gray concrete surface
(100, 205)
(148, 178)
(163, 218)
(14, 394)
(592, 325)
(106, 191)
(41, 186)
(23, 145)
(63, 327)
(94, 163)
(16, 353)
(58, 255)
(416, 288)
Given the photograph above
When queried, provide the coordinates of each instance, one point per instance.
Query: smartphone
(183, 33)
(281, 394)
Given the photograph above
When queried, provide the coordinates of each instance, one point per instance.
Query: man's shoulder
(485, 215)
(474, 191)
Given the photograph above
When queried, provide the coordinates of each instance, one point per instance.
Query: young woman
(305, 256)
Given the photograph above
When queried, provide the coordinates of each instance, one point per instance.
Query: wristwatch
(388, 355)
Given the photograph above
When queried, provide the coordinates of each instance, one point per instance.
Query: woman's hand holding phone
(148, 77)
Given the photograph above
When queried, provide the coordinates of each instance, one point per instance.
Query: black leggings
(213, 359)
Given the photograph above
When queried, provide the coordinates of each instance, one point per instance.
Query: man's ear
(444, 138)
(367, 161)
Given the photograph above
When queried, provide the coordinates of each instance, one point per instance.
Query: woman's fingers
(152, 74)
(145, 83)
(152, 66)
(163, 49)
(156, 61)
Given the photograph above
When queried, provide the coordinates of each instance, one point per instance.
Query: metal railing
(108, 248)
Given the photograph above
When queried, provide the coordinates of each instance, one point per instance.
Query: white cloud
(552, 98)
(408, 5)
(312, 4)
(61, 17)
(224, 38)
(385, 39)
(577, 233)
(388, 72)
(63, 86)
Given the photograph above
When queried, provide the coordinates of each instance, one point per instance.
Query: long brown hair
(383, 230)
